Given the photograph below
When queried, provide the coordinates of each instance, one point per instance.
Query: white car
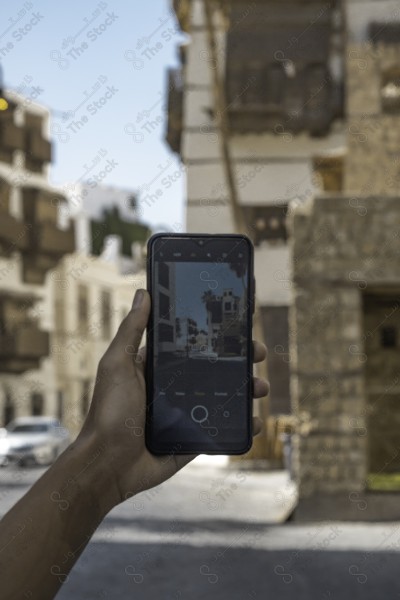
(32, 440)
(203, 353)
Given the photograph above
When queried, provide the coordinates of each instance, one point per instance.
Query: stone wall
(373, 138)
(341, 248)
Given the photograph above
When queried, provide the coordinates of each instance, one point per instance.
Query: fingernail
(138, 299)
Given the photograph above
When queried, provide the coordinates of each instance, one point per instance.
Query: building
(310, 93)
(284, 111)
(346, 295)
(224, 324)
(165, 333)
(31, 244)
(90, 298)
(67, 274)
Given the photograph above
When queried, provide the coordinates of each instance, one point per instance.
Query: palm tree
(208, 297)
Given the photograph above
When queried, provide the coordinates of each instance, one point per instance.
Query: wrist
(89, 471)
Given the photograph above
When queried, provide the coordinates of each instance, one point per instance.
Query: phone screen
(200, 397)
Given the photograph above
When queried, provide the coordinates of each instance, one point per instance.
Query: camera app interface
(201, 348)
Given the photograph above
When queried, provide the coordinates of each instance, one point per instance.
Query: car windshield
(29, 428)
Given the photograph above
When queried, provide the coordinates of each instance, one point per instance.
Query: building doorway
(382, 388)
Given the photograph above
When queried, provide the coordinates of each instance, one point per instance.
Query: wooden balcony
(47, 243)
(14, 234)
(175, 109)
(38, 147)
(40, 205)
(22, 349)
(11, 136)
(54, 241)
(277, 86)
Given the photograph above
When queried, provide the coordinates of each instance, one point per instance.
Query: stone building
(313, 102)
(278, 125)
(344, 322)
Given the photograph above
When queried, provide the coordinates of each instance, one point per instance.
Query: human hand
(116, 420)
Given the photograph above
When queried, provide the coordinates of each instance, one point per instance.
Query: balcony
(182, 10)
(53, 241)
(175, 109)
(47, 243)
(11, 136)
(22, 343)
(40, 205)
(13, 233)
(278, 76)
(37, 148)
(22, 349)
(267, 100)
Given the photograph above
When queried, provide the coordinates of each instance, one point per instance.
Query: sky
(193, 279)
(101, 68)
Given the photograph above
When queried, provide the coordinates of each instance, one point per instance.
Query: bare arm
(43, 535)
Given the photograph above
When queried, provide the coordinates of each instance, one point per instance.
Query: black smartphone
(199, 344)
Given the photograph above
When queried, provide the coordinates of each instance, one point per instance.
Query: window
(82, 308)
(164, 306)
(165, 333)
(106, 314)
(37, 404)
(163, 274)
(9, 411)
(228, 306)
(388, 337)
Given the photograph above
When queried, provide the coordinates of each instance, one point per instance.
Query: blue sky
(102, 68)
(193, 279)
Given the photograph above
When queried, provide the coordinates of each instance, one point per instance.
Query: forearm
(42, 536)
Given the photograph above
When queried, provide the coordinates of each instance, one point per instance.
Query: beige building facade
(60, 306)
(312, 103)
(274, 139)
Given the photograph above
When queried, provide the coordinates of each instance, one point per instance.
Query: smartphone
(199, 344)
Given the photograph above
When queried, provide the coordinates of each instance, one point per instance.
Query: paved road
(214, 533)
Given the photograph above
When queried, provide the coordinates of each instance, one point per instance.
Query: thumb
(137, 318)
(131, 330)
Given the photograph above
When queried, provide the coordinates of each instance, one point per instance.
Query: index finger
(259, 351)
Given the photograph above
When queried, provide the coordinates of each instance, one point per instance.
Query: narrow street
(213, 532)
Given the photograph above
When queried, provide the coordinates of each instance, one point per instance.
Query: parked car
(33, 440)
(203, 353)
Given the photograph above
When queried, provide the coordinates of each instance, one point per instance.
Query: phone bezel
(177, 448)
